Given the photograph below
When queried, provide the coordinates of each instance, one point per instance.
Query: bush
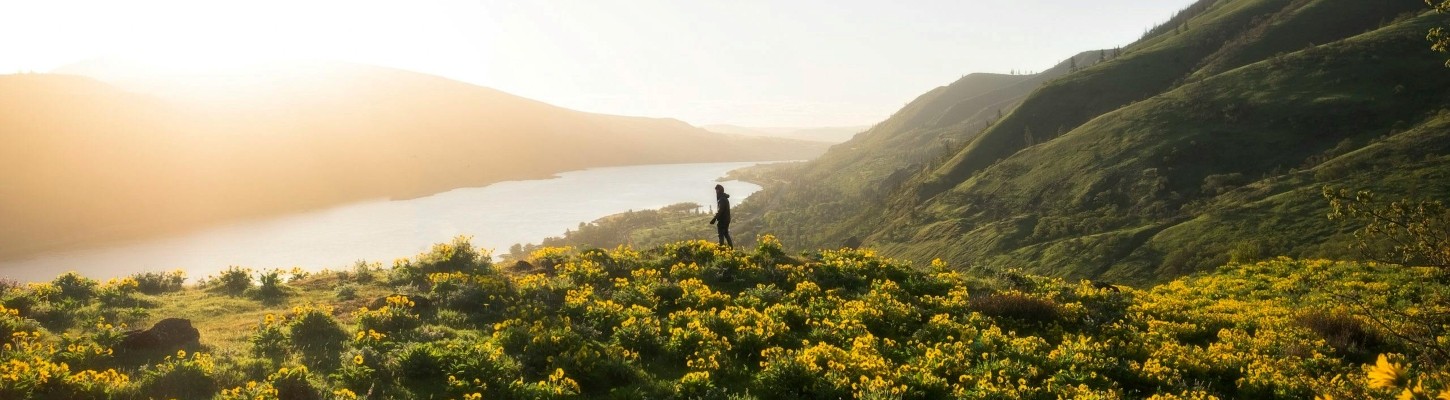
(120, 293)
(74, 287)
(181, 377)
(234, 280)
(269, 340)
(1345, 333)
(154, 283)
(420, 361)
(294, 384)
(458, 256)
(270, 285)
(1016, 306)
(346, 291)
(316, 335)
(393, 318)
(363, 271)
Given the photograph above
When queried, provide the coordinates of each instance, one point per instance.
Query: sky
(762, 63)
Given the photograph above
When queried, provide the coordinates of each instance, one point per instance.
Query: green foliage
(316, 335)
(233, 281)
(1402, 232)
(73, 287)
(269, 285)
(1438, 37)
(181, 376)
(457, 256)
(395, 317)
(154, 283)
(693, 319)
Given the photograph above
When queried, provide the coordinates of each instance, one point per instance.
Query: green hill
(84, 161)
(1207, 140)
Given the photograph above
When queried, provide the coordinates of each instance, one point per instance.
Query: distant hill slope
(83, 160)
(836, 134)
(1207, 140)
(863, 171)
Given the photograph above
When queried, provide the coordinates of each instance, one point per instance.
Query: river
(496, 216)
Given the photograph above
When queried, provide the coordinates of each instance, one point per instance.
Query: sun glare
(211, 37)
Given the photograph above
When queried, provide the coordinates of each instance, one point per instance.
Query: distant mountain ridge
(86, 161)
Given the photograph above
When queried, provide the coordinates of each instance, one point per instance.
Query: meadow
(696, 320)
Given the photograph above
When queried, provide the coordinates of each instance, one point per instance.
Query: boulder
(169, 333)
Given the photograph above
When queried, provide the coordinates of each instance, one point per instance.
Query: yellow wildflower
(1385, 374)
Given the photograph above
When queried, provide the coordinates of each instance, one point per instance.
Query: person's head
(719, 189)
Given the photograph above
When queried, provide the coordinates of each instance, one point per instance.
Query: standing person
(722, 201)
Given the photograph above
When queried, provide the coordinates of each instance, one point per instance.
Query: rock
(168, 333)
(1107, 286)
(523, 267)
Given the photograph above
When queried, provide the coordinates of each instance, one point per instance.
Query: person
(722, 216)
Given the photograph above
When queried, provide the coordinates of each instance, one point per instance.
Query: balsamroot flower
(1386, 374)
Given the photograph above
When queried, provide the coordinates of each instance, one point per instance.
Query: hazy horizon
(759, 64)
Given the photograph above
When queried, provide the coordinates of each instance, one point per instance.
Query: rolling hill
(1206, 142)
(86, 160)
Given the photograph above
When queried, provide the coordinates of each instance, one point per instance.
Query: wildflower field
(695, 320)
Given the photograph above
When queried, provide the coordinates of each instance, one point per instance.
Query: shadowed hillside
(85, 161)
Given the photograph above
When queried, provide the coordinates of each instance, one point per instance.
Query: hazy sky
(743, 62)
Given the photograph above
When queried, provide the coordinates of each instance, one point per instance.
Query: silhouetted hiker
(722, 216)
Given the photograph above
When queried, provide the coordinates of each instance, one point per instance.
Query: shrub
(1017, 306)
(118, 293)
(394, 317)
(316, 334)
(420, 361)
(181, 377)
(346, 291)
(270, 285)
(294, 384)
(234, 280)
(458, 256)
(363, 271)
(1345, 333)
(74, 287)
(269, 340)
(154, 283)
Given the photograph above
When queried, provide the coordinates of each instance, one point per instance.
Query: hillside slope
(874, 163)
(85, 161)
(1207, 139)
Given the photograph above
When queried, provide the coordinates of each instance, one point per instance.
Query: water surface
(496, 215)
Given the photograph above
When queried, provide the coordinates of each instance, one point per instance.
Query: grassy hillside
(875, 163)
(85, 161)
(1097, 201)
(1208, 140)
(690, 319)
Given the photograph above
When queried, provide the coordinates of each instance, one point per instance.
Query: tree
(1414, 233)
(1073, 62)
(1439, 38)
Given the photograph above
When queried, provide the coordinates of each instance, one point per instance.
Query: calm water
(497, 216)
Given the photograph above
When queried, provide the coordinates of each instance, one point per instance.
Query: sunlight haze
(751, 63)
